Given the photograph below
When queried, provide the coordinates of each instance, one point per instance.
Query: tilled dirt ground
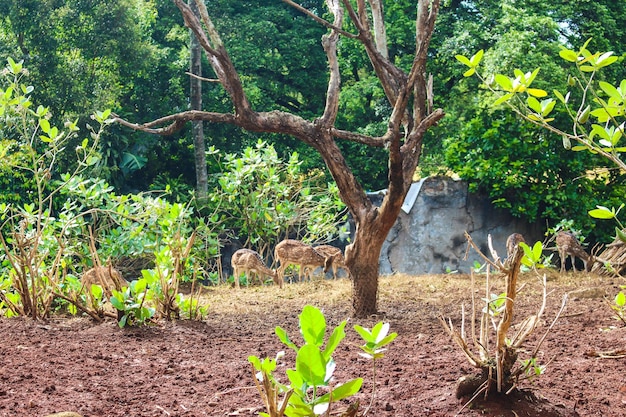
(187, 368)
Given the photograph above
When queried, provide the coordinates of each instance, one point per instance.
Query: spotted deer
(107, 277)
(293, 252)
(250, 262)
(335, 254)
(568, 244)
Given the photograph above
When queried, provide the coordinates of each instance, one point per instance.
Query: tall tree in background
(410, 118)
(195, 94)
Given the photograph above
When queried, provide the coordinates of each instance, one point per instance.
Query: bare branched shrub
(491, 345)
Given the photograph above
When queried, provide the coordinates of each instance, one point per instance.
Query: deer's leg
(573, 260)
(236, 273)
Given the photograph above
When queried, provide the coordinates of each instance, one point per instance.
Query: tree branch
(319, 20)
(176, 121)
(329, 42)
(378, 142)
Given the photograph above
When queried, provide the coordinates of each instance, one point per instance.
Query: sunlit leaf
(536, 92)
(503, 99)
(568, 55)
(464, 60)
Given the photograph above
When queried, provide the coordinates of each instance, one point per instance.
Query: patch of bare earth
(201, 368)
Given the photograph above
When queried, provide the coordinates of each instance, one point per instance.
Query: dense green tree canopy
(132, 55)
(524, 169)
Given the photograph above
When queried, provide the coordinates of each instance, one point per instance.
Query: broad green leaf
(469, 72)
(386, 340)
(255, 362)
(601, 114)
(475, 59)
(605, 60)
(312, 325)
(364, 333)
(343, 391)
(379, 331)
(117, 303)
(464, 60)
(530, 77)
(96, 291)
(620, 299)
(534, 104)
(547, 106)
(568, 55)
(537, 251)
(503, 99)
(283, 337)
(296, 380)
(335, 338)
(620, 234)
(587, 68)
(536, 92)
(504, 82)
(602, 213)
(597, 130)
(528, 255)
(45, 125)
(559, 96)
(610, 90)
(311, 365)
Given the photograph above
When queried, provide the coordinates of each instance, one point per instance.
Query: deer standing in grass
(250, 262)
(568, 244)
(293, 252)
(336, 255)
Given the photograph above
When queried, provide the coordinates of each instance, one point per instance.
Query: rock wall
(428, 237)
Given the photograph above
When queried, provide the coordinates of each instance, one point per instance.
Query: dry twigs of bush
(498, 362)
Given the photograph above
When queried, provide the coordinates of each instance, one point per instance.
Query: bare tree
(410, 119)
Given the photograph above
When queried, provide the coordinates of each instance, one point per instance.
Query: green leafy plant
(619, 306)
(310, 391)
(605, 213)
(596, 109)
(262, 198)
(132, 302)
(374, 348)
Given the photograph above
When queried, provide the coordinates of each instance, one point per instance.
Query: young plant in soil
(373, 348)
(310, 391)
(498, 360)
(619, 306)
(132, 302)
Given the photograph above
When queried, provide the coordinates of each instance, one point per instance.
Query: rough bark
(410, 119)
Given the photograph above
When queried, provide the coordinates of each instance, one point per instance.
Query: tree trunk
(362, 259)
(195, 96)
(363, 255)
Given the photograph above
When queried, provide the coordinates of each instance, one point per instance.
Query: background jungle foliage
(132, 55)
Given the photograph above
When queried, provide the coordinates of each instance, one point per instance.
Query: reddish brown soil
(200, 368)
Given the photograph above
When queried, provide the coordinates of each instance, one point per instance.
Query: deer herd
(308, 258)
(288, 252)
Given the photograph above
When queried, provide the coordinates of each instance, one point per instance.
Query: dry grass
(444, 293)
